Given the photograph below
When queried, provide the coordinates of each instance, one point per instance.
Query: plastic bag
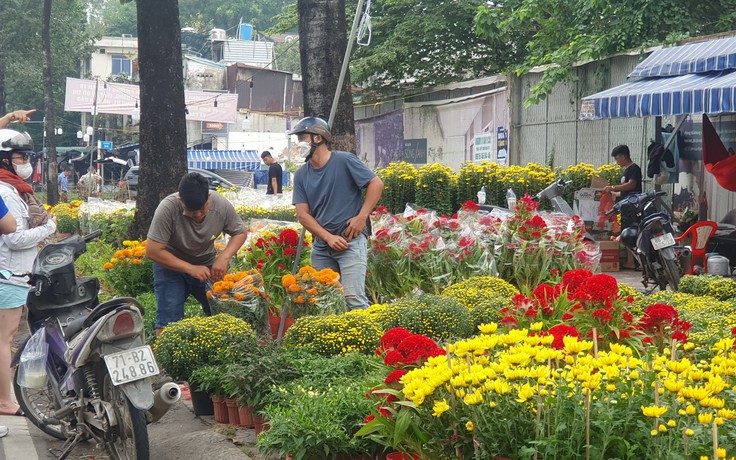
(32, 367)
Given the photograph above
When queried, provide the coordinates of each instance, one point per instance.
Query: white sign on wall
(483, 147)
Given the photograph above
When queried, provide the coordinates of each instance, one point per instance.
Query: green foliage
(255, 371)
(399, 180)
(711, 285)
(192, 309)
(431, 42)
(129, 271)
(185, 345)
(22, 60)
(335, 334)
(88, 264)
(563, 32)
(487, 312)
(440, 318)
(318, 423)
(114, 226)
(435, 188)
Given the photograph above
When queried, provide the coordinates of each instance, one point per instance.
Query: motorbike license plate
(131, 365)
(663, 241)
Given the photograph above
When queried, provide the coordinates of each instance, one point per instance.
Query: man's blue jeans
(172, 289)
(351, 264)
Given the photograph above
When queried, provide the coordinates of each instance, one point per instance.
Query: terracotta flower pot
(221, 415)
(401, 456)
(246, 416)
(274, 320)
(232, 411)
(260, 424)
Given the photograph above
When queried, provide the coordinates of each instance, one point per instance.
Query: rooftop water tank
(246, 32)
(218, 35)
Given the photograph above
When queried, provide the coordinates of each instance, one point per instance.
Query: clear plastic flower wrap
(314, 292)
(242, 295)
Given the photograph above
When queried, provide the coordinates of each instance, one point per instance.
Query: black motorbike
(651, 239)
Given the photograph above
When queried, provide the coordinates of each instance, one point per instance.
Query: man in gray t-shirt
(181, 245)
(329, 203)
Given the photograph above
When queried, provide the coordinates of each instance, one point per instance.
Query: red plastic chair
(700, 233)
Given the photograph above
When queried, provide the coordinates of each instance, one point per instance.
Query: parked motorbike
(95, 382)
(651, 239)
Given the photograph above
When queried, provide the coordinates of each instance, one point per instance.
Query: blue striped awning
(711, 93)
(248, 160)
(710, 56)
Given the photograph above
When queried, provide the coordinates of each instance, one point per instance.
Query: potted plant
(192, 343)
(210, 379)
(256, 370)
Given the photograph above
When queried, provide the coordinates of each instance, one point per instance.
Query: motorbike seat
(106, 307)
(74, 327)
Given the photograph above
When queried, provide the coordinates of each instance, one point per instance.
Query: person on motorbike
(18, 249)
(7, 221)
(181, 245)
(630, 184)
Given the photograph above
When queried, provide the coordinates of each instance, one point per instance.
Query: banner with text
(121, 99)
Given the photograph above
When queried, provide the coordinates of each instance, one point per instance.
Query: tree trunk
(323, 40)
(52, 186)
(163, 146)
(3, 103)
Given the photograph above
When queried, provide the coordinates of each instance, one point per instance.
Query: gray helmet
(14, 141)
(313, 125)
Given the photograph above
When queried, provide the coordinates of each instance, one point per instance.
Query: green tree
(227, 14)
(21, 59)
(163, 158)
(560, 33)
(287, 57)
(323, 40)
(425, 42)
(113, 18)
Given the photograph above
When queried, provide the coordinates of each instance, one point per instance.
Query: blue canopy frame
(693, 78)
(242, 160)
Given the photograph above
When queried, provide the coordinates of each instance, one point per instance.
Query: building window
(121, 65)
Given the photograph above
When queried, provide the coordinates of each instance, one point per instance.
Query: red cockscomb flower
(573, 279)
(290, 237)
(600, 288)
(394, 376)
(393, 337)
(603, 315)
(470, 206)
(658, 316)
(560, 332)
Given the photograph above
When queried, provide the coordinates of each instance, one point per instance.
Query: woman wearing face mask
(17, 250)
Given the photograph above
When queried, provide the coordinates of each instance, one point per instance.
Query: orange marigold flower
(128, 253)
(288, 280)
(210, 295)
(312, 301)
(295, 288)
(108, 266)
(119, 254)
(136, 261)
(299, 299)
(224, 297)
(239, 296)
(313, 291)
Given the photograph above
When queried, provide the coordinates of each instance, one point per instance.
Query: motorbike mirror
(6, 274)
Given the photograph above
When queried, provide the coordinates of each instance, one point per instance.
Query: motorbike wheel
(671, 272)
(38, 405)
(129, 439)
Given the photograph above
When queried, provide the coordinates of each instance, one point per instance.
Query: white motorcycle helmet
(14, 141)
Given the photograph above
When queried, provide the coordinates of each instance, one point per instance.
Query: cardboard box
(598, 182)
(609, 256)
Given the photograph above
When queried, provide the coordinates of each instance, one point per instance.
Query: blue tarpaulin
(693, 78)
(244, 160)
